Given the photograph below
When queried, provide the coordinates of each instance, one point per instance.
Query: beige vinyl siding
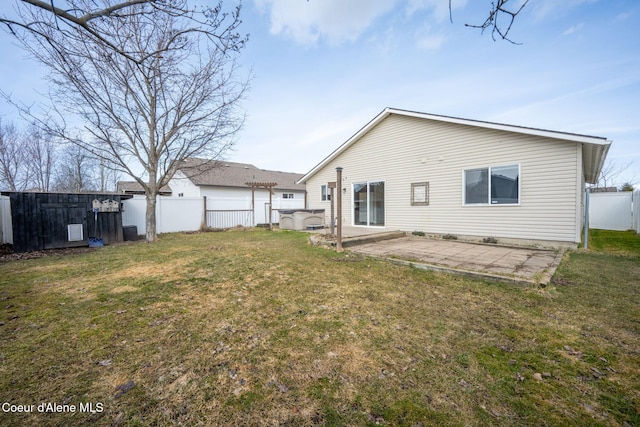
(402, 150)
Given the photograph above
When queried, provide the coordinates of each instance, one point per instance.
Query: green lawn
(260, 328)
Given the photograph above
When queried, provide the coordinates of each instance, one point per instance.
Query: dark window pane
(376, 203)
(476, 186)
(360, 204)
(504, 185)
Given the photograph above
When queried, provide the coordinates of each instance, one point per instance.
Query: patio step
(371, 238)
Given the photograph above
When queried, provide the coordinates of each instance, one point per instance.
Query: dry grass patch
(259, 328)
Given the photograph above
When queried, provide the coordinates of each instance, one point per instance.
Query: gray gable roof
(230, 174)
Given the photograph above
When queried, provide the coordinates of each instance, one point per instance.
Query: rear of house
(441, 175)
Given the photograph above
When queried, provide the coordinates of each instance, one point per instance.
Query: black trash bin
(130, 233)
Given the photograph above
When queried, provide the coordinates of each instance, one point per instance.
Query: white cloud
(549, 9)
(623, 16)
(431, 42)
(334, 20)
(337, 21)
(573, 29)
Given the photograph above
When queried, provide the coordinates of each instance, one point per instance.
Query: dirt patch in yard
(7, 254)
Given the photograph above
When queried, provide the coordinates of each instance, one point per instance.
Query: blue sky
(324, 68)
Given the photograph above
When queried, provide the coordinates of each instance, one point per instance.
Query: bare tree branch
(81, 14)
(614, 174)
(497, 11)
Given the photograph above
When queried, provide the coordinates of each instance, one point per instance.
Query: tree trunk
(150, 218)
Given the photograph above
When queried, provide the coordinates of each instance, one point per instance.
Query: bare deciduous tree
(107, 177)
(31, 161)
(13, 163)
(75, 173)
(151, 83)
(40, 155)
(613, 173)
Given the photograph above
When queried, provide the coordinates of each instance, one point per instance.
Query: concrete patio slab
(486, 261)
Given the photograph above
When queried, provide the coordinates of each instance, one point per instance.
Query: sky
(322, 69)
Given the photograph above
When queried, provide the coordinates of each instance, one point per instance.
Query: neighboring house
(226, 186)
(133, 188)
(412, 171)
(603, 189)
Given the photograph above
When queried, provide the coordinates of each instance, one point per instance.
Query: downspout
(586, 218)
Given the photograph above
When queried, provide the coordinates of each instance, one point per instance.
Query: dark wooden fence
(41, 220)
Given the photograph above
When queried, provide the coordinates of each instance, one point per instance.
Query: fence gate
(611, 211)
(230, 218)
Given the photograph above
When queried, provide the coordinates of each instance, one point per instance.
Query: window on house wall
(368, 203)
(325, 193)
(497, 185)
(287, 195)
(420, 194)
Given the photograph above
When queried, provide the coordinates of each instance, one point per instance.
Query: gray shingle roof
(132, 187)
(231, 174)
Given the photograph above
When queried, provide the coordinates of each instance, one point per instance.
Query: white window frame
(287, 195)
(489, 168)
(325, 193)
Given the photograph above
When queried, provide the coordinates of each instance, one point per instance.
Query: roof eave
(593, 157)
(565, 136)
(377, 119)
(584, 139)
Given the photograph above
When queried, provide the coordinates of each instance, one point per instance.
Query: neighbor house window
(287, 195)
(497, 185)
(368, 203)
(325, 193)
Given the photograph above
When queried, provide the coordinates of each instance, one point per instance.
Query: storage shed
(64, 220)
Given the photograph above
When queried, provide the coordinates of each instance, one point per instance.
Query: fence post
(635, 201)
(339, 201)
(204, 213)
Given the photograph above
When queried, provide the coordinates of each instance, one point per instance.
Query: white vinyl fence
(615, 211)
(5, 220)
(173, 214)
(636, 211)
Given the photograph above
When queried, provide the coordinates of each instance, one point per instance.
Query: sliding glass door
(368, 203)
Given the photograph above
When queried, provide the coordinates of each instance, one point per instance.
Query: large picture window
(368, 203)
(497, 185)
